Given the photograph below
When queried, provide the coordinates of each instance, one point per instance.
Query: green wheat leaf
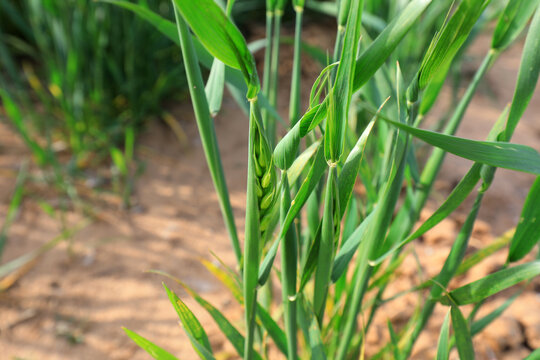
(512, 21)
(492, 284)
(494, 153)
(443, 348)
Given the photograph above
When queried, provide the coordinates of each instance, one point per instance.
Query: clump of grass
(329, 265)
(85, 76)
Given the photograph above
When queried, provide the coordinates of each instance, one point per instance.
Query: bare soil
(75, 299)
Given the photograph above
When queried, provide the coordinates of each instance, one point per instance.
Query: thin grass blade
(275, 332)
(204, 354)
(301, 162)
(14, 114)
(341, 93)
(456, 197)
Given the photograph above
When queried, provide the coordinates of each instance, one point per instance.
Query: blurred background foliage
(79, 78)
(84, 76)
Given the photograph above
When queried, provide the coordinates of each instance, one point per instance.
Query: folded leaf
(191, 325)
(214, 86)
(155, 351)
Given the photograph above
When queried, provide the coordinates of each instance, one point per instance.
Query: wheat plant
(363, 125)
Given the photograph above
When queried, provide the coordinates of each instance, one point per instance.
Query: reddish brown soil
(74, 301)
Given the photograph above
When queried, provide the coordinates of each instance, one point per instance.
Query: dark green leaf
(528, 230)
(463, 335)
